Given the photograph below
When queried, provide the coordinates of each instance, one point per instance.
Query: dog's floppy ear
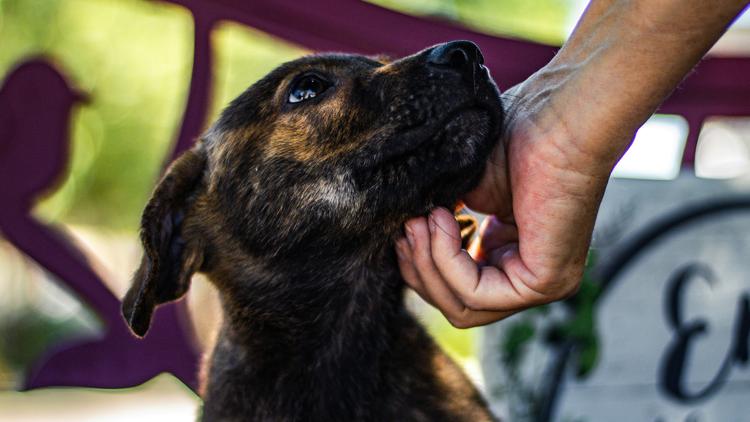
(168, 260)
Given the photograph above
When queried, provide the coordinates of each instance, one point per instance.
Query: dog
(290, 203)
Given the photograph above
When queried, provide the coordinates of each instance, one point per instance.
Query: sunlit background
(133, 57)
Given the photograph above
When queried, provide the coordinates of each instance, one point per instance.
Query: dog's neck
(324, 334)
(312, 296)
(312, 329)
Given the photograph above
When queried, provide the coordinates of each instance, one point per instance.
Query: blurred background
(133, 60)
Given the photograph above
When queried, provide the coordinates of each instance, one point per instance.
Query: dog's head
(322, 153)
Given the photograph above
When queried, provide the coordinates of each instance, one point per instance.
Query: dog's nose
(463, 56)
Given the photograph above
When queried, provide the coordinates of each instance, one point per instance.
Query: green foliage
(519, 334)
(134, 59)
(25, 335)
(576, 327)
(242, 56)
(580, 328)
(538, 20)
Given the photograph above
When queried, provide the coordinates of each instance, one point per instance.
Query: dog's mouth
(445, 147)
(415, 143)
(429, 165)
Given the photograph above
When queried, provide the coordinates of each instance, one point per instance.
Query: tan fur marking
(460, 387)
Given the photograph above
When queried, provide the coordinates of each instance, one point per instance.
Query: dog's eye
(307, 87)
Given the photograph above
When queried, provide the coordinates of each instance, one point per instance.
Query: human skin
(567, 126)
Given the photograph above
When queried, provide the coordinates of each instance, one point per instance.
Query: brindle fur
(292, 210)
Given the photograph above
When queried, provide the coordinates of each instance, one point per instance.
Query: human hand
(542, 194)
(567, 125)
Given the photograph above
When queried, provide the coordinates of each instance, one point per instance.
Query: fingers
(420, 270)
(450, 261)
(417, 233)
(486, 288)
(408, 271)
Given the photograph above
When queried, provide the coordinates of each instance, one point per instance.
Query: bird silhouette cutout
(35, 113)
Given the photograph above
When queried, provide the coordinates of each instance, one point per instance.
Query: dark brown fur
(291, 209)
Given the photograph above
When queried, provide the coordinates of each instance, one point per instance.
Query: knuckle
(460, 320)
(459, 323)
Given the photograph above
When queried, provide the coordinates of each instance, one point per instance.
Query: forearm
(623, 59)
(575, 117)
(567, 126)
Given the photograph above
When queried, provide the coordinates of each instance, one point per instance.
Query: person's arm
(568, 124)
(622, 60)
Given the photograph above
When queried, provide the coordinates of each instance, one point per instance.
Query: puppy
(290, 204)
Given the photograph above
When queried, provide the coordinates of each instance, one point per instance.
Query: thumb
(493, 194)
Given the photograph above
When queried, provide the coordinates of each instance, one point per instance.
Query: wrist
(565, 107)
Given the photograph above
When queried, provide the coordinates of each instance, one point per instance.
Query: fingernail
(410, 236)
